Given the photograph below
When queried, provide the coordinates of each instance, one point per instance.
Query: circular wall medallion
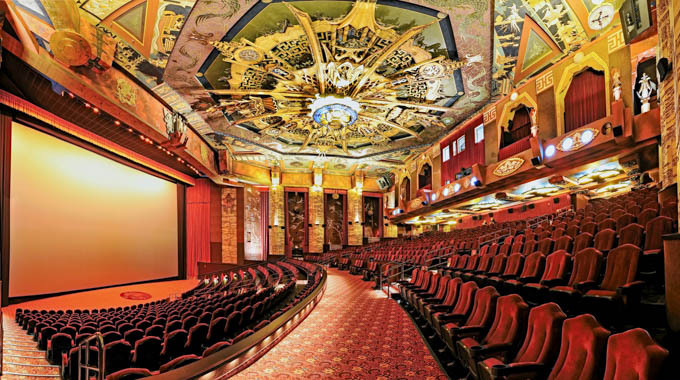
(135, 295)
(70, 47)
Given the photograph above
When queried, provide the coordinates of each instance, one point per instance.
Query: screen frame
(7, 118)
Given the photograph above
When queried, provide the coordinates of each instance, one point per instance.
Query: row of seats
(500, 337)
(166, 334)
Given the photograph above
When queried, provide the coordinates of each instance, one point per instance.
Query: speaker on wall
(664, 67)
(524, 208)
(556, 200)
(618, 131)
(536, 161)
(510, 210)
(636, 18)
(491, 215)
(531, 206)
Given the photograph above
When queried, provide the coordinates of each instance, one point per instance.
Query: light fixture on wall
(550, 151)
(456, 187)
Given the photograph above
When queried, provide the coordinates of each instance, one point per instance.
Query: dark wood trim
(15, 300)
(5, 166)
(181, 232)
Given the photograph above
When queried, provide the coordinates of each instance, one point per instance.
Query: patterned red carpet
(353, 333)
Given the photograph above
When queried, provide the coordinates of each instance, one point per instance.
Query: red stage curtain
(197, 225)
(264, 223)
(585, 101)
(473, 153)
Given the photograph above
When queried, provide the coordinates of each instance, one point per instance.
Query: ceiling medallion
(577, 140)
(346, 83)
(508, 166)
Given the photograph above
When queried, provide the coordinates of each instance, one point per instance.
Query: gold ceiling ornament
(337, 84)
(508, 166)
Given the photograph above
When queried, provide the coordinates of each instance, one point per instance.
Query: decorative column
(232, 225)
(389, 203)
(316, 213)
(277, 217)
(355, 234)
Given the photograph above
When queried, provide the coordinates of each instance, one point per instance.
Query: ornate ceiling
(366, 84)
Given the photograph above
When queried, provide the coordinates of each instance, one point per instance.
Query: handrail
(209, 274)
(401, 273)
(100, 368)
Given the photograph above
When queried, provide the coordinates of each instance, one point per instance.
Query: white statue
(645, 92)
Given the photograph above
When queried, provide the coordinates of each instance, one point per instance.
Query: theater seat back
(533, 265)
(466, 297)
(634, 355)
(621, 268)
(453, 288)
(483, 308)
(587, 264)
(542, 340)
(583, 241)
(514, 264)
(582, 348)
(556, 265)
(509, 321)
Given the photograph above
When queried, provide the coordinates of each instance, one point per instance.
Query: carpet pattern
(355, 332)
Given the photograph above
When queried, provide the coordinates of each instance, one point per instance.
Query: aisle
(354, 332)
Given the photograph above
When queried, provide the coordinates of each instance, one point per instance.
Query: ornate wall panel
(316, 219)
(229, 226)
(354, 214)
(372, 216)
(296, 226)
(276, 221)
(335, 222)
(253, 240)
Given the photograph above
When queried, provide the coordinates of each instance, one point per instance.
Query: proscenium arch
(589, 61)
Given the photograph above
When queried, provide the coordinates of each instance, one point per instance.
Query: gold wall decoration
(489, 115)
(125, 92)
(508, 166)
(615, 41)
(577, 140)
(544, 81)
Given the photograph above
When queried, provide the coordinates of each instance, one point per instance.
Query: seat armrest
(528, 369)
(482, 352)
(529, 280)
(440, 307)
(468, 331)
(633, 289)
(554, 282)
(585, 286)
(431, 300)
(451, 318)
(507, 276)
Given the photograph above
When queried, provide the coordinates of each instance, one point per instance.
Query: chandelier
(335, 84)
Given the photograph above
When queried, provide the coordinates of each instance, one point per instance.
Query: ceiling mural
(529, 35)
(369, 83)
(362, 81)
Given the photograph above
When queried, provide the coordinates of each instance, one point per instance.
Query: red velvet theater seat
(466, 297)
(482, 267)
(564, 243)
(445, 306)
(634, 355)
(557, 265)
(581, 351)
(480, 317)
(496, 268)
(431, 289)
(533, 268)
(538, 351)
(586, 269)
(618, 288)
(513, 267)
(422, 300)
(509, 322)
(582, 241)
(632, 234)
(605, 241)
